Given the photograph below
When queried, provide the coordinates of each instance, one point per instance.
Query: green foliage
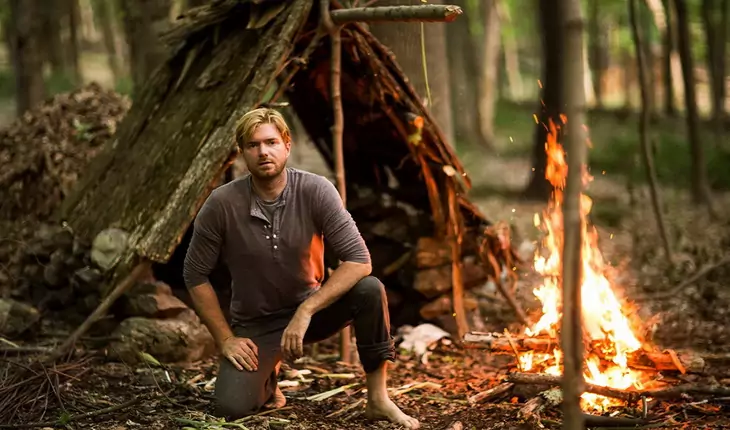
(124, 85)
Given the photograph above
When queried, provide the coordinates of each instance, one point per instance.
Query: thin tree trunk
(576, 148)
(646, 152)
(649, 59)
(598, 58)
(27, 53)
(489, 79)
(551, 96)
(74, 20)
(511, 50)
(103, 10)
(700, 186)
(588, 88)
(52, 36)
(463, 74)
(714, 15)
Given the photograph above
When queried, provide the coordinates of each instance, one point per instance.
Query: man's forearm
(342, 280)
(208, 307)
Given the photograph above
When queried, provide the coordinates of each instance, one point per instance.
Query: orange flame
(604, 323)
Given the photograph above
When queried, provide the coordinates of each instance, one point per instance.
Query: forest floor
(435, 389)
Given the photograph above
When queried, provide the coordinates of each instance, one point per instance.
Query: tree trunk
(646, 24)
(195, 3)
(598, 58)
(551, 95)
(666, 22)
(27, 53)
(52, 36)
(575, 146)
(511, 49)
(714, 16)
(144, 20)
(463, 74)
(700, 186)
(72, 46)
(488, 80)
(646, 152)
(588, 88)
(105, 13)
(404, 40)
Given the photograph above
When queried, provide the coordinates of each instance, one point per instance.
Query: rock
(108, 247)
(156, 305)
(177, 340)
(16, 318)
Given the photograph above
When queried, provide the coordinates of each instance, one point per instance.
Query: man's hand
(292, 341)
(242, 352)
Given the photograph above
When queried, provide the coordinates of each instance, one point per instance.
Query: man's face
(266, 152)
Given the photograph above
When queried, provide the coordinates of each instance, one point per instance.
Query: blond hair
(248, 123)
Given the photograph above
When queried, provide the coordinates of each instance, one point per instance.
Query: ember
(607, 329)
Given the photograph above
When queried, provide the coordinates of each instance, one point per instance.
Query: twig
(72, 418)
(696, 277)
(457, 282)
(490, 393)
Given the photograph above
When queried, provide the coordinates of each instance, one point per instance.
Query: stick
(491, 393)
(71, 418)
(457, 282)
(646, 154)
(692, 279)
(103, 307)
(422, 13)
(337, 132)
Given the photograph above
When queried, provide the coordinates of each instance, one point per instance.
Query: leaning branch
(423, 13)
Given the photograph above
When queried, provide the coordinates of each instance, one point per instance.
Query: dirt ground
(435, 389)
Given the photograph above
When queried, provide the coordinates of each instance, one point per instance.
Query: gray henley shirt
(274, 264)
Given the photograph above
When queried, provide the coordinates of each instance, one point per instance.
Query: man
(268, 228)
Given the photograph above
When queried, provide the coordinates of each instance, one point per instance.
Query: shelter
(405, 186)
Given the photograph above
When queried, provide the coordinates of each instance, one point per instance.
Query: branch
(423, 13)
(68, 420)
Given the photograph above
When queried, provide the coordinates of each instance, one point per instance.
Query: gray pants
(242, 393)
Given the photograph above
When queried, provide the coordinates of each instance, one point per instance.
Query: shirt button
(268, 237)
(274, 236)
(275, 246)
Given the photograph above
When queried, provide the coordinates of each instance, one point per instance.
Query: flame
(604, 324)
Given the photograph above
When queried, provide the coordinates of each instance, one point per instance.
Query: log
(443, 306)
(686, 361)
(436, 281)
(431, 252)
(421, 13)
(629, 396)
(491, 393)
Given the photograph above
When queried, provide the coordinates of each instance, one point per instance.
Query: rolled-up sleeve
(205, 245)
(338, 227)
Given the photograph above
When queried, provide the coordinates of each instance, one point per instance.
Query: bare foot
(388, 410)
(276, 401)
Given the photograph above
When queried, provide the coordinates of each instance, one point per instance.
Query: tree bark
(714, 16)
(52, 36)
(144, 20)
(666, 22)
(72, 46)
(404, 40)
(646, 151)
(27, 53)
(576, 148)
(487, 88)
(700, 185)
(551, 95)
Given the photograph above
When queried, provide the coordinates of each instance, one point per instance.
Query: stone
(155, 305)
(108, 247)
(178, 340)
(16, 318)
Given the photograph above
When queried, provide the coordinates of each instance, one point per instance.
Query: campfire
(609, 336)
(620, 366)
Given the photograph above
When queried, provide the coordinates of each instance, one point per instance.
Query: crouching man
(268, 228)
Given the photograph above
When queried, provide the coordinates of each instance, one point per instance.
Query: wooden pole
(576, 148)
(337, 132)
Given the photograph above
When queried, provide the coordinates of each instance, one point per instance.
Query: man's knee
(369, 289)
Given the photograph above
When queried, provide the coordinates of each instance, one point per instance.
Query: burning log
(626, 395)
(684, 362)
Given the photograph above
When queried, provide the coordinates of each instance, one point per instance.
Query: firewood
(629, 396)
(435, 281)
(420, 13)
(431, 252)
(442, 306)
(491, 393)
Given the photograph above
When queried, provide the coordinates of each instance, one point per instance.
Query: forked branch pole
(423, 13)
